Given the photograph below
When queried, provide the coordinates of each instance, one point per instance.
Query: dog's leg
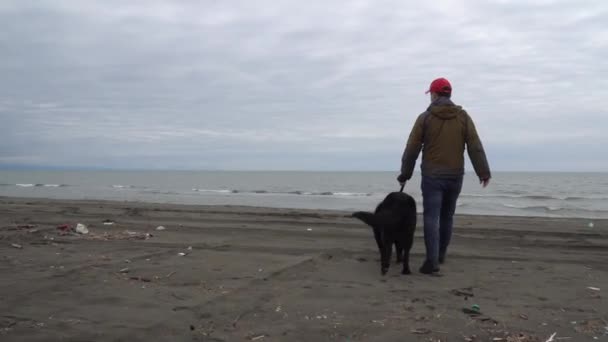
(385, 257)
(378, 238)
(387, 246)
(399, 250)
(407, 246)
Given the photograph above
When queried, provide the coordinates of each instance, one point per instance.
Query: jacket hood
(444, 109)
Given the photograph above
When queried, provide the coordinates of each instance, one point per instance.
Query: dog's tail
(367, 217)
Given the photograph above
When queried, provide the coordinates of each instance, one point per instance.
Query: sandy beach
(261, 274)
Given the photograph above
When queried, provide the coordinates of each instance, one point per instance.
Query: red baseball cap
(440, 85)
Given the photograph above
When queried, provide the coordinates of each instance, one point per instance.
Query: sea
(581, 195)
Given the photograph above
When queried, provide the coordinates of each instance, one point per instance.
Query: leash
(402, 188)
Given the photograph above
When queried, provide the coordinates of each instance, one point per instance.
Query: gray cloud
(316, 85)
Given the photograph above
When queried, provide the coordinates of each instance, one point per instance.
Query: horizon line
(73, 168)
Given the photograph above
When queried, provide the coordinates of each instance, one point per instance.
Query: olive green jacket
(442, 132)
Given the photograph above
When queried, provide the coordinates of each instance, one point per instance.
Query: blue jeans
(439, 196)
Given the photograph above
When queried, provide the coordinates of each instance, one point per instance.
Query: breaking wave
(538, 197)
(294, 192)
(31, 185)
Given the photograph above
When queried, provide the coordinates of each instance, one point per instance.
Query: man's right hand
(484, 182)
(401, 179)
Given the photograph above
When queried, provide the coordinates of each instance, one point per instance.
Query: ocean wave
(538, 197)
(533, 207)
(220, 191)
(293, 192)
(158, 192)
(298, 192)
(553, 209)
(31, 185)
(351, 194)
(118, 186)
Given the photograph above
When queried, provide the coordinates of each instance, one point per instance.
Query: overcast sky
(314, 85)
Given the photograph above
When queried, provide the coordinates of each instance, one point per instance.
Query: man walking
(442, 132)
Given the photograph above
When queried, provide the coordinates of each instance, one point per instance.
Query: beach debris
(255, 338)
(551, 338)
(16, 245)
(181, 254)
(189, 248)
(145, 280)
(309, 229)
(26, 226)
(593, 288)
(421, 331)
(523, 316)
(108, 222)
(124, 270)
(125, 235)
(473, 311)
(592, 327)
(591, 225)
(160, 228)
(516, 338)
(81, 229)
(463, 292)
(65, 228)
(378, 322)
(170, 274)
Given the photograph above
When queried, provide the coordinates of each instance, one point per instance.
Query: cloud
(255, 85)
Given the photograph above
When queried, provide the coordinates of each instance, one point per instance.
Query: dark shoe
(441, 259)
(427, 268)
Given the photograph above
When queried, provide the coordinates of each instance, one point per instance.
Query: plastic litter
(63, 227)
(81, 229)
(160, 228)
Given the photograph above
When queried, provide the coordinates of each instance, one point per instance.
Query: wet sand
(261, 274)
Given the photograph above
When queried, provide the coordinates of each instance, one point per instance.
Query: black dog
(394, 221)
